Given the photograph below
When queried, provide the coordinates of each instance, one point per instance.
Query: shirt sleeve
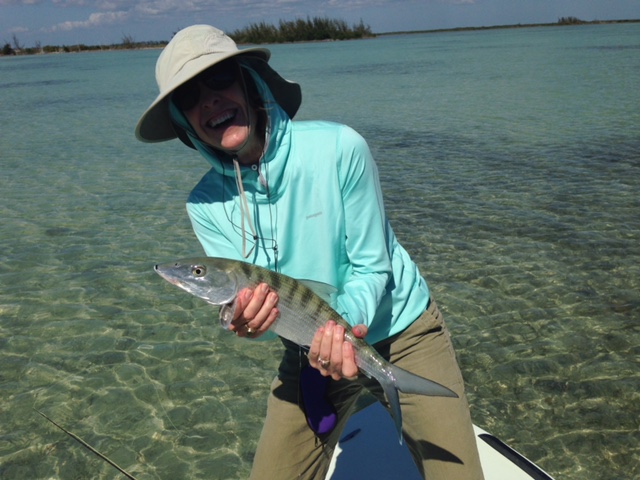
(366, 230)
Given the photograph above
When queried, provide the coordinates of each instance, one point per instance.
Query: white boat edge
(369, 449)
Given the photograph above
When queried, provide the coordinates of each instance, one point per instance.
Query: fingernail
(357, 331)
(265, 288)
(339, 331)
(272, 297)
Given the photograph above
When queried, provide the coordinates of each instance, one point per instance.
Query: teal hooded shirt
(315, 204)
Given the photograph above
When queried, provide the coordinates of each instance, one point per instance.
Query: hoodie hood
(267, 175)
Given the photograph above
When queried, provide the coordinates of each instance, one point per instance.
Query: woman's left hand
(331, 354)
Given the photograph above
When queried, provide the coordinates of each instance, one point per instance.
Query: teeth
(214, 122)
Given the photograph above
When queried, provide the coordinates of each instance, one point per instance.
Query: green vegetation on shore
(311, 29)
(127, 44)
(563, 21)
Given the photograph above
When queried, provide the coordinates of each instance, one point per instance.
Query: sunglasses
(218, 78)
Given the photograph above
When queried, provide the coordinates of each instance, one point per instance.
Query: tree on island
(570, 21)
(309, 30)
(7, 49)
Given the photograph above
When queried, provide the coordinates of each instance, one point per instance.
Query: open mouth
(221, 120)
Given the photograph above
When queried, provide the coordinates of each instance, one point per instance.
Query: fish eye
(199, 270)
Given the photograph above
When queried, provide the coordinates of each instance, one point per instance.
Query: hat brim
(155, 123)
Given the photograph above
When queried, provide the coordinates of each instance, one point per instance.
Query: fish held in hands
(302, 312)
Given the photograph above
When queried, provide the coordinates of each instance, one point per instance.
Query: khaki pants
(438, 431)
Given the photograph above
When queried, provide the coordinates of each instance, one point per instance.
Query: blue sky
(100, 22)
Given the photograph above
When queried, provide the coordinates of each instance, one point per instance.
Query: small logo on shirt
(309, 217)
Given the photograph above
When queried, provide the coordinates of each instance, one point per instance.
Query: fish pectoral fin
(227, 312)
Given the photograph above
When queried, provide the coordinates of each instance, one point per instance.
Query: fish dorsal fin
(323, 290)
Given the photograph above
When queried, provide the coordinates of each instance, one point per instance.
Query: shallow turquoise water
(510, 164)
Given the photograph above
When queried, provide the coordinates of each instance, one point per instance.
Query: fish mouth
(168, 278)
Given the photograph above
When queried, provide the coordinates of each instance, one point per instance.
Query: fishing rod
(90, 448)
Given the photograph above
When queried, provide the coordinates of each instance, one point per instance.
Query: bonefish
(302, 312)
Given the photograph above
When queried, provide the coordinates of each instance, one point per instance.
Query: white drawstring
(244, 211)
(244, 204)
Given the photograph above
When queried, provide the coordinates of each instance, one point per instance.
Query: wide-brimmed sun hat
(192, 51)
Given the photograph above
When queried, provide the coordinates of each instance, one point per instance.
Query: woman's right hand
(255, 311)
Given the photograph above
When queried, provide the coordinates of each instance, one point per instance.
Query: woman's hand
(331, 354)
(255, 311)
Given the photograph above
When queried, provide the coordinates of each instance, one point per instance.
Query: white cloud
(94, 20)
(19, 2)
(159, 7)
(70, 3)
(6, 3)
(108, 12)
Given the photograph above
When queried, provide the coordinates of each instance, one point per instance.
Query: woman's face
(220, 114)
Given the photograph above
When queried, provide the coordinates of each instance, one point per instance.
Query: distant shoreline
(518, 25)
(150, 45)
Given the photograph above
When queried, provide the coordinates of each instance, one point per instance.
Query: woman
(303, 198)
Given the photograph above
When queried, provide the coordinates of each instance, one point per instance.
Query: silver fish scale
(302, 312)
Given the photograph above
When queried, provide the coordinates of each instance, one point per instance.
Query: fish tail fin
(408, 382)
(391, 392)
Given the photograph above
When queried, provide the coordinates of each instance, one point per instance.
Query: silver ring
(324, 363)
(250, 331)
